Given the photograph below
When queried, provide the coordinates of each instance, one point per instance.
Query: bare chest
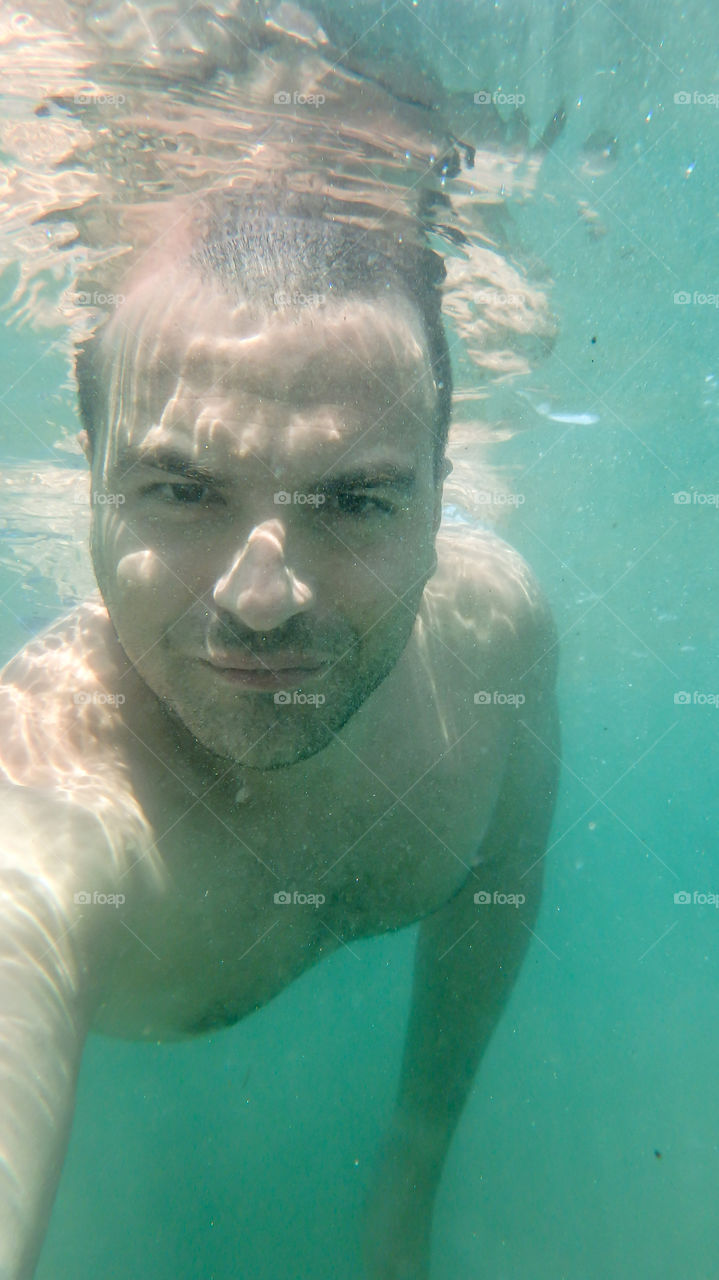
(248, 896)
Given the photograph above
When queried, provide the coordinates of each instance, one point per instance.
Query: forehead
(184, 357)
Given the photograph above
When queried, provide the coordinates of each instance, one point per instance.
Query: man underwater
(299, 712)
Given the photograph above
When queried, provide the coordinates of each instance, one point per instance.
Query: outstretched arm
(45, 1002)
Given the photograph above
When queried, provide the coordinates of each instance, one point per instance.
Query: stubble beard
(253, 731)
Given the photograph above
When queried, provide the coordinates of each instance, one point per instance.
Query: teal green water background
(247, 1154)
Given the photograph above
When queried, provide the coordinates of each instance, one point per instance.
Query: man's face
(264, 509)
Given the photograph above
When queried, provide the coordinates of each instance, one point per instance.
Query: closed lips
(278, 662)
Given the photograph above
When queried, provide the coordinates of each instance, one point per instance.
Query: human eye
(175, 494)
(354, 502)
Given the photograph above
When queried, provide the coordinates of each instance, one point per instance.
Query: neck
(203, 770)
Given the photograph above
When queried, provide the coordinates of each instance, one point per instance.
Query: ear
(85, 444)
(437, 515)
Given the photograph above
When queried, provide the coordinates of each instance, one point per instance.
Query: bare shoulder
(489, 597)
(55, 710)
(488, 609)
(63, 764)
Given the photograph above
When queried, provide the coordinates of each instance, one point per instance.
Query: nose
(259, 588)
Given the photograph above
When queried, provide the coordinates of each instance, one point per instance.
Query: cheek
(144, 597)
(126, 559)
(135, 579)
(144, 600)
(383, 588)
(140, 571)
(401, 556)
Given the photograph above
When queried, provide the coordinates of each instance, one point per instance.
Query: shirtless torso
(178, 845)
(375, 832)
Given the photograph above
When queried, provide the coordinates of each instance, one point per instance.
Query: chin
(268, 756)
(254, 732)
(251, 730)
(260, 735)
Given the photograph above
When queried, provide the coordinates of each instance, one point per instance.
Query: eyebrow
(174, 462)
(166, 459)
(385, 476)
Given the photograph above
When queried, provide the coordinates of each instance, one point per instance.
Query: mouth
(280, 671)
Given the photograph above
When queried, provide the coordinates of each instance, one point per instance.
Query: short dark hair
(277, 260)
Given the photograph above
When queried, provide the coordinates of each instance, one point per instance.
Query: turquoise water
(607, 1053)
